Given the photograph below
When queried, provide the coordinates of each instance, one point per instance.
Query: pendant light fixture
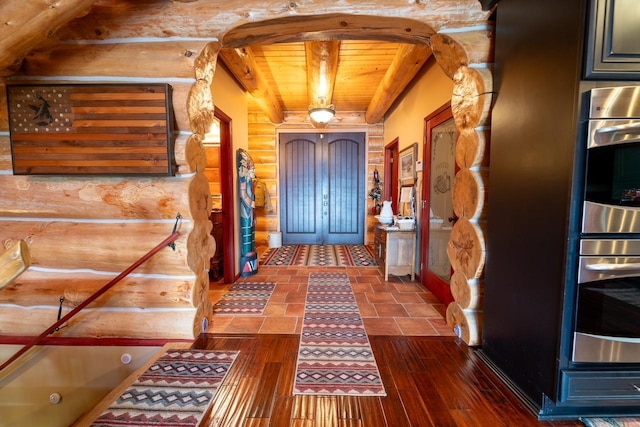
(321, 113)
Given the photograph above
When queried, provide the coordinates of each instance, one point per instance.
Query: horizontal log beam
(406, 64)
(100, 246)
(96, 198)
(26, 25)
(166, 323)
(242, 65)
(173, 59)
(322, 66)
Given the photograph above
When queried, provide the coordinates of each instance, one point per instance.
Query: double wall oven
(607, 323)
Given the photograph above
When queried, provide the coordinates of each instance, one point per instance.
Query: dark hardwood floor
(430, 381)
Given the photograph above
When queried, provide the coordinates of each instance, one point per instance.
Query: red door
(437, 217)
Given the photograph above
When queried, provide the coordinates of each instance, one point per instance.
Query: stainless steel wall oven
(607, 326)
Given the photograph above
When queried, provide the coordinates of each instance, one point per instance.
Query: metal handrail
(168, 241)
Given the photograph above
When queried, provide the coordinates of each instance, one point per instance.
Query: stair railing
(166, 242)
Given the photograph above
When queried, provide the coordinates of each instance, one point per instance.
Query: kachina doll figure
(246, 177)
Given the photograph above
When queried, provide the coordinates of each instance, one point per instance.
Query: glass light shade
(321, 114)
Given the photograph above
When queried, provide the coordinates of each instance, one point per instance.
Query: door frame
(440, 288)
(390, 185)
(226, 187)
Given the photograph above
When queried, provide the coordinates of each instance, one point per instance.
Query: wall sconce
(321, 113)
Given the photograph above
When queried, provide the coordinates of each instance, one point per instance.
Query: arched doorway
(454, 52)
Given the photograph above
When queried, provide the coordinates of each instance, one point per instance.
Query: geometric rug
(245, 298)
(320, 256)
(611, 422)
(335, 356)
(175, 391)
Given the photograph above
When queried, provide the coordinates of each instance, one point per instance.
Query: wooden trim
(226, 182)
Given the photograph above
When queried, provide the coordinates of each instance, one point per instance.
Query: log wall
(83, 231)
(467, 58)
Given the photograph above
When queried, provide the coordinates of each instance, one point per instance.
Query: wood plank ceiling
(367, 75)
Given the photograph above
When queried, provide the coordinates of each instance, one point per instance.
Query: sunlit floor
(396, 307)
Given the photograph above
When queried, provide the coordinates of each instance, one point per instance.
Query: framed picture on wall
(407, 174)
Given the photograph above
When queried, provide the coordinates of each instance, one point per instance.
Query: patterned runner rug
(245, 298)
(320, 256)
(175, 391)
(335, 356)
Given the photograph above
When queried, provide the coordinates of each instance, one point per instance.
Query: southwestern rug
(335, 356)
(175, 391)
(245, 298)
(320, 256)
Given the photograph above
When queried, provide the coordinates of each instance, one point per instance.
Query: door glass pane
(443, 163)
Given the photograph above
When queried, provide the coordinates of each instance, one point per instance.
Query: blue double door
(322, 188)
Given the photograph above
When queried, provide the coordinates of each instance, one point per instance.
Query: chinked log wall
(81, 231)
(467, 58)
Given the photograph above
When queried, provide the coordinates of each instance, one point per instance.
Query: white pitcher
(386, 211)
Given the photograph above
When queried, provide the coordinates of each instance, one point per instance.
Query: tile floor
(396, 307)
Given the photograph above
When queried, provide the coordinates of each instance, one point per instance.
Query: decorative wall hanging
(60, 129)
(408, 158)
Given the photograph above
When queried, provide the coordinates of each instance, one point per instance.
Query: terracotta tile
(421, 310)
(409, 297)
(299, 279)
(399, 306)
(410, 287)
(442, 327)
(367, 310)
(382, 287)
(246, 325)
(286, 287)
(275, 325)
(219, 323)
(381, 326)
(361, 287)
(429, 298)
(296, 297)
(295, 310)
(278, 297)
(368, 278)
(361, 298)
(391, 310)
(414, 326)
(380, 297)
(275, 309)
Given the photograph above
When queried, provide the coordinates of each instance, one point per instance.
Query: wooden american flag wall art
(91, 129)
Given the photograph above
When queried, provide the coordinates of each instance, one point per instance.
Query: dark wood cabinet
(216, 264)
(613, 40)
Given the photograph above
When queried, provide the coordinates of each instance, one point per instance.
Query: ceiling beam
(322, 66)
(406, 64)
(26, 25)
(242, 65)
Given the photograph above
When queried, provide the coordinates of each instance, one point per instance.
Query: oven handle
(620, 133)
(614, 267)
